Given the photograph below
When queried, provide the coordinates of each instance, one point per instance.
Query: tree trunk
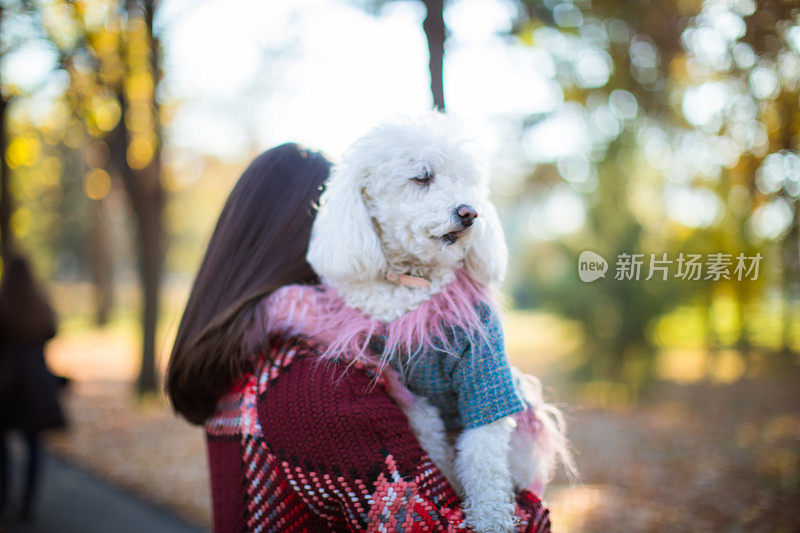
(712, 340)
(435, 33)
(791, 282)
(146, 199)
(146, 196)
(150, 224)
(101, 262)
(150, 262)
(790, 247)
(145, 193)
(743, 342)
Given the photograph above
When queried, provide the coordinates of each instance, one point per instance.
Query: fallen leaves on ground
(689, 458)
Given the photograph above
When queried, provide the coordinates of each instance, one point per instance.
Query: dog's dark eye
(424, 179)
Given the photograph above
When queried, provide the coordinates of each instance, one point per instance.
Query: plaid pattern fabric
(299, 446)
(473, 387)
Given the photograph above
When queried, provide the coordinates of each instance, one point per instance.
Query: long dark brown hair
(258, 246)
(25, 313)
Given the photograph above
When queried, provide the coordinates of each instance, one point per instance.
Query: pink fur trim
(320, 312)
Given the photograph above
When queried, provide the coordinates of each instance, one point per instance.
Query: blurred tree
(45, 153)
(100, 261)
(113, 59)
(97, 187)
(596, 70)
(5, 172)
(135, 146)
(665, 91)
(30, 183)
(772, 32)
(758, 63)
(5, 205)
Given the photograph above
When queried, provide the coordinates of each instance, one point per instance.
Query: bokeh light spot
(97, 184)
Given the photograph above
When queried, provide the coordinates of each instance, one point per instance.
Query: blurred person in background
(292, 444)
(28, 391)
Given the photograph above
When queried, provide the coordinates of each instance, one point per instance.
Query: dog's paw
(490, 517)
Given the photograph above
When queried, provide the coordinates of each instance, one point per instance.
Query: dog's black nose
(466, 214)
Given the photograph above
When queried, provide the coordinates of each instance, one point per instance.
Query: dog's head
(407, 195)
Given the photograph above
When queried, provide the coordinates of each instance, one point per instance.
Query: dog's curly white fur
(380, 214)
(374, 218)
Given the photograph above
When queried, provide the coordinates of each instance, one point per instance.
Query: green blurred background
(638, 127)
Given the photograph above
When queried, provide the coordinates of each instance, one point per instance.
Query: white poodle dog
(406, 219)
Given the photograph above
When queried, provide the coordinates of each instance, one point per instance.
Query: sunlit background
(608, 125)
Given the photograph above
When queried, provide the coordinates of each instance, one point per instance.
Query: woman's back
(323, 447)
(28, 391)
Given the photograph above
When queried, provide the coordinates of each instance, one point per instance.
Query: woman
(28, 391)
(294, 445)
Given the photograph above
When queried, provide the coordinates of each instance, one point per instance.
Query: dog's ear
(487, 257)
(343, 242)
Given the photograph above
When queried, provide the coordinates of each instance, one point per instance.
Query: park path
(74, 501)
